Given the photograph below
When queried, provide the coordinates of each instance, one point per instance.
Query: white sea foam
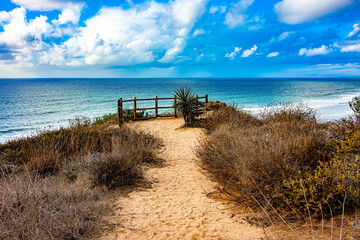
(333, 107)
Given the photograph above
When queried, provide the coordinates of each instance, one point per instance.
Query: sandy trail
(176, 206)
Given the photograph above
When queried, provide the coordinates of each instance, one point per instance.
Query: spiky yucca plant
(187, 105)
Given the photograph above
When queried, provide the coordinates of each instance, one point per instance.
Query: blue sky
(179, 38)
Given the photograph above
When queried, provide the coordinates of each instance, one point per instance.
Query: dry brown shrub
(34, 205)
(47, 208)
(229, 115)
(258, 158)
(47, 151)
(251, 156)
(121, 166)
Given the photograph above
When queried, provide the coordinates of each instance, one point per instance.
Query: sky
(179, 38)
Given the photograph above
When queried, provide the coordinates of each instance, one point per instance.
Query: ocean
(29, 105)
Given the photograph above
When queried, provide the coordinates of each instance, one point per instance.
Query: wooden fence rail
(156, 107)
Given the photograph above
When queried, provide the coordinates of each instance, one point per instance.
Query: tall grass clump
(47, 151)
(122, 165)
(284, 158)
(221, 114)
(47, 208)
(54, 185)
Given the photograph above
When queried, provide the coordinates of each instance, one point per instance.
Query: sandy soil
(177, 205)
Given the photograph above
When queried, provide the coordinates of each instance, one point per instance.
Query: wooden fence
(156, 107)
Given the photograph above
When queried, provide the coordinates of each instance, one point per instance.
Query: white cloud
(198, 32)
(354, 31)
(350, 48)
(233, 54)
(44, 5)
(314, 51)
(236, 14)
(298, 11)
(186, 12)
(285, 35)
(215, 9)
(141, 34)
(23, 38)
(282, 36)
(18, 32)
(249, 52)
(70, 14)
(177, 47)
(348, 69)
(273, 54)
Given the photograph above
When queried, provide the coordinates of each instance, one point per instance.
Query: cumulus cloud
(219, 9)
(354, 31)
(185, 13)
(19, 33)
(233, 54)
(70, 14)
(323, 50)
(273, 54)
(236, 14)
(43, 5)
(249, 52)
(25, 39)
(140, 33)
(299, 11)
(144, 33)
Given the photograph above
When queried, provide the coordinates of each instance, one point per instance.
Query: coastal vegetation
(188, 106)
(58, 184)
(284, 163)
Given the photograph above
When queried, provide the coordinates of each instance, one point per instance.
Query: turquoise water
(27, 105)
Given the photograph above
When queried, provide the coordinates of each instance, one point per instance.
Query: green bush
(107, 118)
(334, 183)
(354, 104)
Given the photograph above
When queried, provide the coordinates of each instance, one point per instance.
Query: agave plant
(187, 105)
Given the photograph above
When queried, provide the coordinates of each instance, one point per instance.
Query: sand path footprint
(177, 205)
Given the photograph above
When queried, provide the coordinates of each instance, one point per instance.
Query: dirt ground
(177, 206)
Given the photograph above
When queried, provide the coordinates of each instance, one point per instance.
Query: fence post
(196, 97)
(120, 111)
(135, 117)
(156, 106)
(206, 102)
(175, 112)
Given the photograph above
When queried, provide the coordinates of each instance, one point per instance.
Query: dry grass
(284, 163)
(53, 185)
(47, 208)
(221, 114)
(248, 154)
(47, 151)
